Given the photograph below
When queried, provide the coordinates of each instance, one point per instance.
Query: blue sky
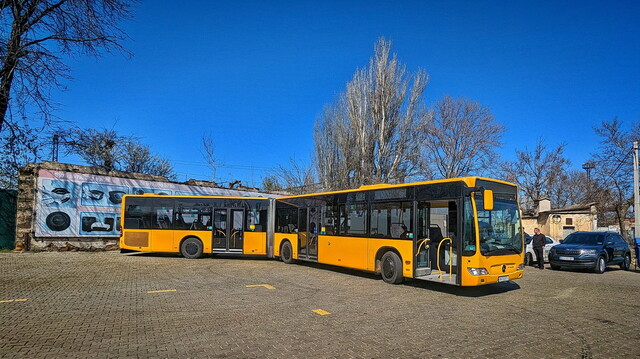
(256, 74)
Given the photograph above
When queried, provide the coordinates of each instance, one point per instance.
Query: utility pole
(636, 196)
(54, 149)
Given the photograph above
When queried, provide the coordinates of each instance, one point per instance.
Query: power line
(622, 162)
(222, 165)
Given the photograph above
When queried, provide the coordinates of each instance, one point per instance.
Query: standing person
(538, 241)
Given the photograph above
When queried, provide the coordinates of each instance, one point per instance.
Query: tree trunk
(8, 69)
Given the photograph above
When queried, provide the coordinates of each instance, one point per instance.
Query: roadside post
(636, 201)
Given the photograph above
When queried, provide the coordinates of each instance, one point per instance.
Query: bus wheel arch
(286, 252)
(191, 247)
(388, 264)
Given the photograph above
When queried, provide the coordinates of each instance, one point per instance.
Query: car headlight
(477, 271)
(590, 252)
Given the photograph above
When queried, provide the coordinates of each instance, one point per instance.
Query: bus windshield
(500, 228)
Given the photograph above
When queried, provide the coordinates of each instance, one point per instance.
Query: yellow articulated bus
(195, 225)
(464, 231)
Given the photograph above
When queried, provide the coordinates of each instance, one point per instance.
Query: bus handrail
(422, 241)
(450, 257)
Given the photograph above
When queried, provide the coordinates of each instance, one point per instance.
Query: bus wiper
(510, 246)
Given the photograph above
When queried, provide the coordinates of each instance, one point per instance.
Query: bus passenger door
(236, 238)
(314, 229)
(423, 241)
(220, 230)
(437, 241)
(302, 233)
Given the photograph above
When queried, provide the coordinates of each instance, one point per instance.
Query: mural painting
(84, 205)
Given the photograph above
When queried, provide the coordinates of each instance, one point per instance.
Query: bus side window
(132, 223)
(287, 220)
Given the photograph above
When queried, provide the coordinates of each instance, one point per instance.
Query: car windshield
(590, 239)
(500, 228)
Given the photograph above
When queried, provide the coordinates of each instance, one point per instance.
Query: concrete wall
(559, 225)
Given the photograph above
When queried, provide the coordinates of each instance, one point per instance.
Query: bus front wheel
(191, 248)
(391, 268)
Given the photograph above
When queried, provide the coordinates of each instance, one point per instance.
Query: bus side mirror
(487, 195)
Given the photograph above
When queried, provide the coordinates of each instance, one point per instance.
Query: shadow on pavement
(480, 291)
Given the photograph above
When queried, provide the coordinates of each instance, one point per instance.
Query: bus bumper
(474, 280)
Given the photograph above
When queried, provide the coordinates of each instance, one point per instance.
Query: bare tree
(571, 187)
(98, 147)
(137, 157)
(37, 33)
(108, 150)
(368, 135)
(209, 154)
(296, 178)
(460, 139)
(535, 172)
(271, 184)
(17, 149)
(613, 172)
(332, 137)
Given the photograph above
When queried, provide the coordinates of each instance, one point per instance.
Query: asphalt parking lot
(106, 304)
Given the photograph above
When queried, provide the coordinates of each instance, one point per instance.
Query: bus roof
(191, 196)
(470, 181)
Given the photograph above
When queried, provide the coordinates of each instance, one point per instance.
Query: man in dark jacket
(538, 242)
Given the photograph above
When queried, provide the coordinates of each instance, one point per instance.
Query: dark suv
(595, 250)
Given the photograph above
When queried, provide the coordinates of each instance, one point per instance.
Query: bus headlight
(521, 266)
(477, 271)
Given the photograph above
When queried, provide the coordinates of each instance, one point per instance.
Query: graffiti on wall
(84, 205)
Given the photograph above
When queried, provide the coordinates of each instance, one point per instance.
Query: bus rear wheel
(286, 253)
(191, 248)
(391, 268)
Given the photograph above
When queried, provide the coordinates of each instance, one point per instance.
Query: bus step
(422, 271)
(435, 277)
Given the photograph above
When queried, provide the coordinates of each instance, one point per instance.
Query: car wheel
(626, 263)
(528, 259)
(391, 268)
(601, 265)
(286, 253)
(555, 267)
(191, 248)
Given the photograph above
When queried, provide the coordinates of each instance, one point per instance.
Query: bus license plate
(566, 258)
(504, 278)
